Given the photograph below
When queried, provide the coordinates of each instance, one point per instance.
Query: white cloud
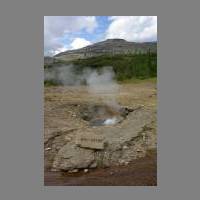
(133, 28)
(79, 43)
(56, 27)
(59, 50)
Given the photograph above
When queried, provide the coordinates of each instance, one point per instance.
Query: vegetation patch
(126, 67)
(51, 83)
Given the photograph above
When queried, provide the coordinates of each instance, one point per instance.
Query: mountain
(48, 60)
(109, 46)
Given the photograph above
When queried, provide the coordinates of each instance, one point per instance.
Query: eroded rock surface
(122, 143)
(71, 157)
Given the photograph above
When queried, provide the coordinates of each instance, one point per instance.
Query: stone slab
(90, 140)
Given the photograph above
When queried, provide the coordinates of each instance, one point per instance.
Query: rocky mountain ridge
(110, 47)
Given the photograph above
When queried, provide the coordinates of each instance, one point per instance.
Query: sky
(63, 33)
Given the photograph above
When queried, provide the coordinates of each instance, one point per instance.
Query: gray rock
(67, 139)
(125, 147)
(72, 157)
(73, 171)
(126, 163)
(86, 170)
(93, 165)
(90, 140)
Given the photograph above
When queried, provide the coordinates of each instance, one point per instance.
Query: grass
(57, 62)
(138, 81)
(48, 83)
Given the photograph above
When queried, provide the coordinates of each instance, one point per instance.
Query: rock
(93, 165)
(47, 149)
(64, 129)
(90, 140)
(57, 147)
(125, 147)
(105, 146)
(55, 170)
(126, 163)
(73, 171)
(67, 138)
(85, 170)
(121, 161)
(72, 157)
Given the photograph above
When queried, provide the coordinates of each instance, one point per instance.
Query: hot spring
(103, 115)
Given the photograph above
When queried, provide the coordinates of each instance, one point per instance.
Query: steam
(99, 82)
(64, 75)
(110, 121)
(102, 84)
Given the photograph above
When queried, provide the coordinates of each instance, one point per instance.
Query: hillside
(124, 66)
(108, 47)
(129, 60)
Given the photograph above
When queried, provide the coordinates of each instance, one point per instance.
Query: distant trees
(126, 66)
(139, 65)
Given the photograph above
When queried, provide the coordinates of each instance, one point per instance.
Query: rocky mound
(103, 146)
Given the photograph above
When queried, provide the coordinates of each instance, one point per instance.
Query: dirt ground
(61, 118)
(141, 172)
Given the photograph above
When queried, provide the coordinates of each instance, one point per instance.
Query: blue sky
(63, 33)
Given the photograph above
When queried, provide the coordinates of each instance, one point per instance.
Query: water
(110, 121)
(103, 122)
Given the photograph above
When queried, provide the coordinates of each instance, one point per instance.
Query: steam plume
(99, 82)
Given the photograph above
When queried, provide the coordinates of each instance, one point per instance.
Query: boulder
(73, 157)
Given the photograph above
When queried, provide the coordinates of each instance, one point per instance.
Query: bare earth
(62, 120)
(141, 172)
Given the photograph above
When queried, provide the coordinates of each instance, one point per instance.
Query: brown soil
(141, 172)
(61, 119)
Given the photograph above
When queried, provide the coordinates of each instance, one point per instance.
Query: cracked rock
(72, 157)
